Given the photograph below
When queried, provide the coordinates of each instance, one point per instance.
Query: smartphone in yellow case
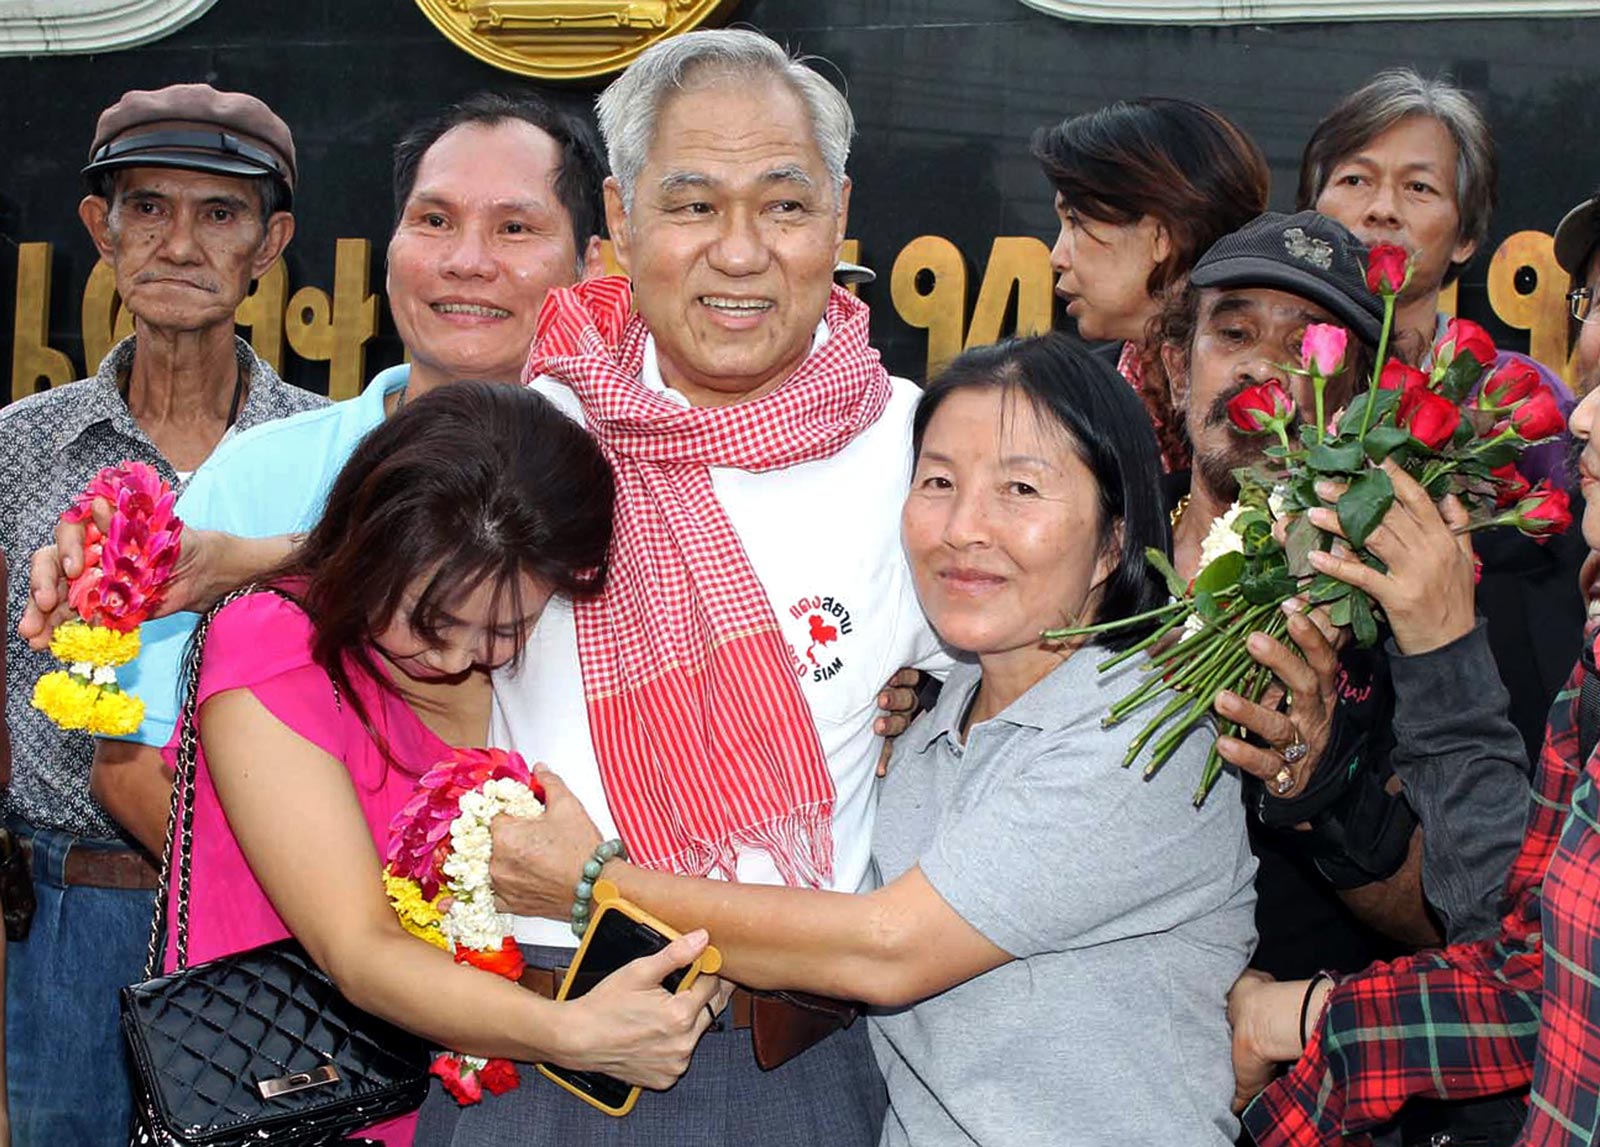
(618, 933)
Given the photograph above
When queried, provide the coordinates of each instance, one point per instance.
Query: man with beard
(1339, 814)
(1239, 324)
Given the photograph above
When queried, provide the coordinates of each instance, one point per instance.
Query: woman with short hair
(1143, 188)
(1054, 938)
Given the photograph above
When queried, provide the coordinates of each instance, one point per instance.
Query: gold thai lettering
(106, 321)
(927, 289)
(262, 312)
(1528, 259)
(32, 357)
(1019, 265)
(337, 330)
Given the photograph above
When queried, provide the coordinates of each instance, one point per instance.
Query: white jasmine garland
(472, 921)
(1222, 538)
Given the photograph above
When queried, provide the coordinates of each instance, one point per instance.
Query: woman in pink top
(443, 538)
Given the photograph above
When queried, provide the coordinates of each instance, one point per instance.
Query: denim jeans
(67, 1072)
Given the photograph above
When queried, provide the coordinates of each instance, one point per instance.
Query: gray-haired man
(715, 748)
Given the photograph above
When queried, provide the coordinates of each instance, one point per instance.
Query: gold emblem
(565, 39)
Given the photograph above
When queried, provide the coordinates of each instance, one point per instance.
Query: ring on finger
(1293, 753)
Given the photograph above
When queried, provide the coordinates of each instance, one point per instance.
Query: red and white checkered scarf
(705, 742)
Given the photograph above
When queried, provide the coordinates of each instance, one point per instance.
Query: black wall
(947, 93)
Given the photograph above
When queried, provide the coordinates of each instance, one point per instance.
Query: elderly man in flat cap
(189, 196)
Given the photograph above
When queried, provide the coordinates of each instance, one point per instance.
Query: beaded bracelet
(584, 891)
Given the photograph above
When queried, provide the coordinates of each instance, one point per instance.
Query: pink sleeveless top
(263, 643)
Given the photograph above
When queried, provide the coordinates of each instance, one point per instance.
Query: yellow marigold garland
(75, 702)
(422, 918)
(77, 641)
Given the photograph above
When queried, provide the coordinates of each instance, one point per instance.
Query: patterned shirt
(1476, 1019)
(54, 442)
(1164, 420)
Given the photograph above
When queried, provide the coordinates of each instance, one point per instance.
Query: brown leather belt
(104, 867)
(547, 981)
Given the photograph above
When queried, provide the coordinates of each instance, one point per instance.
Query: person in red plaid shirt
(1502, 1014)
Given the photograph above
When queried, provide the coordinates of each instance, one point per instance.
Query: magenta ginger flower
(419, 834)
(126, 570)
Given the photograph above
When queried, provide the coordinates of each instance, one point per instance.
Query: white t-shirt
(824, 539)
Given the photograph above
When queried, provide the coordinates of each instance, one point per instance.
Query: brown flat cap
(197, 128)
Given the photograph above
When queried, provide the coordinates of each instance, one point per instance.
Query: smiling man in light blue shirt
(497, 201)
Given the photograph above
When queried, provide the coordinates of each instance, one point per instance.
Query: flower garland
(437, 878)
(124, 576)
(1451, 434)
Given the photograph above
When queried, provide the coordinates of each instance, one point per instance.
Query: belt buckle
(16, 887)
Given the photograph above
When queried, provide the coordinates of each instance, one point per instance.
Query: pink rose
(1322, 348)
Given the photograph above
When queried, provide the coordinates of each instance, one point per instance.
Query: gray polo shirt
(1129, 912)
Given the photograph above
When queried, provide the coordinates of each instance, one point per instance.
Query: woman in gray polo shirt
(1054, 941)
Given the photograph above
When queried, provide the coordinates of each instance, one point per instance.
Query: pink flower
(1322, 348)
(419, 834)
(126, 568)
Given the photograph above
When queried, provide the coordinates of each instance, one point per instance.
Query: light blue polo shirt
(272, 479)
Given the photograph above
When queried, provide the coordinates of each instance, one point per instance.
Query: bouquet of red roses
(1453, 435)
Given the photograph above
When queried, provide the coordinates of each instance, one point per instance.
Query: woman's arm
(891, 947)
(298, 822)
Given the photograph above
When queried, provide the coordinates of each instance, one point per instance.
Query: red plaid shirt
(1476, 1019)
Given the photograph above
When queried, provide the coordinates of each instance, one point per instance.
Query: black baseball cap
(1305, 254)
(1577, 234)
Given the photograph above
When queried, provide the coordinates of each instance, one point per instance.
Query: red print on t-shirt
(821, 634)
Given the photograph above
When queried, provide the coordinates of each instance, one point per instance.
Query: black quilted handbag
(256, 1047)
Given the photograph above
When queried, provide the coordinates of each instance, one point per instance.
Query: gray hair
(1384, 101)
(628, 108)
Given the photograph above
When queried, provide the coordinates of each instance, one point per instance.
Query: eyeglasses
(1580, 301)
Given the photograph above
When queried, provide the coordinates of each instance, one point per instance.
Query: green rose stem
(1177, 607)
(1255, 687)
(1178, 615)
(1377, 365)
(1318, 385)
(1201, 699)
